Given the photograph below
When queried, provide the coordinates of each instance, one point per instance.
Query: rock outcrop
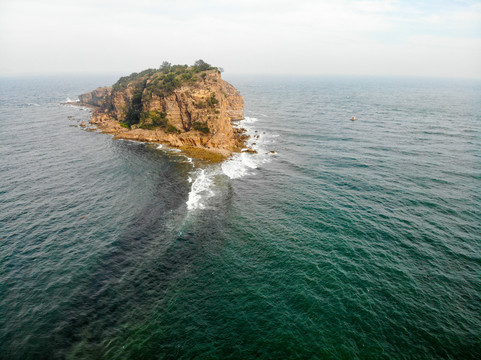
(179, 106)
(96, 97)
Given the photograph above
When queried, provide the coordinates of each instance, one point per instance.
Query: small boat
(353, 118)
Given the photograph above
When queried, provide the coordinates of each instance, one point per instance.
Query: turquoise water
(357, 240)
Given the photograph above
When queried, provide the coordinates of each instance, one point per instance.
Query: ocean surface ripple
(338, 239)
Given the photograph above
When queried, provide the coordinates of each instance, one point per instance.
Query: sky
(342, 37)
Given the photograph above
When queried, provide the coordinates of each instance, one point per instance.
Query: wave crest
(200, 191)
(239, 165)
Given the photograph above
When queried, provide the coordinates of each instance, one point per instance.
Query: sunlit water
(338, 239)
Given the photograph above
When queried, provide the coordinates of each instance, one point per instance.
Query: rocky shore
(179, 106)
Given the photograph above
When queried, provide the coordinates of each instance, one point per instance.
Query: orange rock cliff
(180, 106)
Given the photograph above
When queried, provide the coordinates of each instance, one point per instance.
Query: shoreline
(190, 143)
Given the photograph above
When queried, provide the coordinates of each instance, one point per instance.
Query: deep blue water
(353, 240)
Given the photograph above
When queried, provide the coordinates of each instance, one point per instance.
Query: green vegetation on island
(161, 82)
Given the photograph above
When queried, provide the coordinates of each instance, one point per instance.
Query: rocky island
(188, 107)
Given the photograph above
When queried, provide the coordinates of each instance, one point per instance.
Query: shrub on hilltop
(160, 82)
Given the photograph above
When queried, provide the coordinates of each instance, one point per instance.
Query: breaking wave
(244, 163)
(239, 165)
(200, 191)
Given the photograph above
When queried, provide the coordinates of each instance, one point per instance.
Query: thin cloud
(249, 36)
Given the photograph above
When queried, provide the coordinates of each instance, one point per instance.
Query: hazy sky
(430, 38)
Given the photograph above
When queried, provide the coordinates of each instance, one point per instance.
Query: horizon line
(228, 73)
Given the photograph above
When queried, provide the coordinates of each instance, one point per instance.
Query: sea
(338, 239)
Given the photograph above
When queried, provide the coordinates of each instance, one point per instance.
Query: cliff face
(180, 107)
(96, 97)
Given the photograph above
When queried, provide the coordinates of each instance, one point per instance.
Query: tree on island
(166, 66)
(201, 65)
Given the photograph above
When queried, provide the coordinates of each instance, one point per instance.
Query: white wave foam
(249, 120)
(159, 146)
(134, 141)
(200, 191)
(239, 165)
(242, 164)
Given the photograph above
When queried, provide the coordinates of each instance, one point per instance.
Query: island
(181, 106)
